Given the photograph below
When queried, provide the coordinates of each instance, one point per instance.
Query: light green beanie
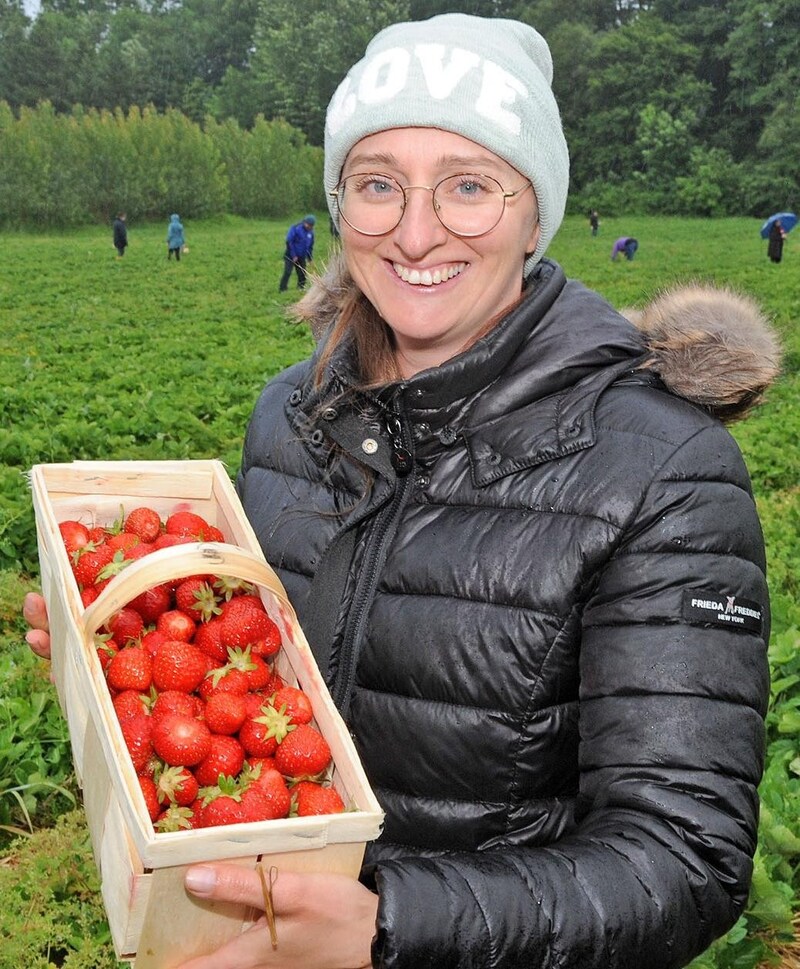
(486, 79)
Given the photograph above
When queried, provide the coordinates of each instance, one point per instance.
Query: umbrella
(788, 221)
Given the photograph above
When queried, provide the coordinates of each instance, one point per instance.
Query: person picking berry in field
(521, 543)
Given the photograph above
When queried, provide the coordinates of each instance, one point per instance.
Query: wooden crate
(142, 871)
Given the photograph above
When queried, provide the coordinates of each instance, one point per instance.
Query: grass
(144, 358)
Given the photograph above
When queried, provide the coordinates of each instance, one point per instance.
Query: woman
(775, 244)
(175, 237)
(532, 574)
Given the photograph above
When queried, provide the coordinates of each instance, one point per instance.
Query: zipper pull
(401, 458)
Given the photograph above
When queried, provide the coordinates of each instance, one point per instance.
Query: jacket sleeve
(672, 700)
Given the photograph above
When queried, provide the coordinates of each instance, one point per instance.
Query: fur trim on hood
(712, 346)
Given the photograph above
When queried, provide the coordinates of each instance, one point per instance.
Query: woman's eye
(375, 186)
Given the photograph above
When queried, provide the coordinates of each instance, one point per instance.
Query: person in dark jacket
(775, 244)
(175, 237)
(120, 235)
(521, 542)
(625, 245)
(299, 252)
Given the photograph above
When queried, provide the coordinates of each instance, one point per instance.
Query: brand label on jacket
(704, 606)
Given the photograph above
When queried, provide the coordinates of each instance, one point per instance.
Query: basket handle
(175, 562)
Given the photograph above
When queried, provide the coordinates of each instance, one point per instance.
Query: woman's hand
(321, 921)
(34, 612)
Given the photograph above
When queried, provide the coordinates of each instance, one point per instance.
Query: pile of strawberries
(215, 735)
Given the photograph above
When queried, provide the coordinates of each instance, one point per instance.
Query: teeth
(415, 277)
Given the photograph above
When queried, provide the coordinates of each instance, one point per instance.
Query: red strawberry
(179, 666)
(176, 625)
(187, 523)
(130, 703)
(225, 712)
(261, 735)
(107, 649)
(180, 741)
(178, 785)
(243, 623)
(303, 752)
(130, 669)
(177, 818)
(257, 806)
(150, 796)
(122, 540)
(88, 595)
(153, 640)
(89, 561)
(271, 783)
(125, 625)
(225, 757)
(223, 809)
(74, 535)
(227, 587)
(196, 598)
(294, 703)
(167, 541)
(310, 798)
(207, 638)
(144, 523)
(137, 733)
(151, 603)
(174, 701)
(224, 679)
(98, 534)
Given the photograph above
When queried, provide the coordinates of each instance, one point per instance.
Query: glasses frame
(432, 189)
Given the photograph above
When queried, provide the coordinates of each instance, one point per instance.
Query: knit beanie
(484, 78)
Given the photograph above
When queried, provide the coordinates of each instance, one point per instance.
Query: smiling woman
(503, 525)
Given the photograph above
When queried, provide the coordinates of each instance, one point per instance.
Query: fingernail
(200, 880)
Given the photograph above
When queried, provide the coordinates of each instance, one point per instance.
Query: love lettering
(388, 73)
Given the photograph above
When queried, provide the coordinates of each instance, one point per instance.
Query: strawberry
(153, 640)
(167, 541)
(293, 702)
(244, 623)
(176, 624)
(174, 701)
(124, 625)
(176, 818)
(177, 785)
(261, 735)
(303, 752)
(150, 796)
(97, 535)
(130, 669)
(151, 603)
(225, 757)
(74, 535)
(225, 712)
(88, 562)
(122, 540)
(196, 598)
(179, 666)
(145, 523)
(180, 741)
(187, 523)
(88, 595)
(227, 587)
(130, 703)
(207, 638)
(224, 679)
(223, 809)
(137, 733)
(310, 798)
(107, 649)
(272, 785)
(257, 806)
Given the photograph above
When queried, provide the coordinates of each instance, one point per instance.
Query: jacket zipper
(377, 542)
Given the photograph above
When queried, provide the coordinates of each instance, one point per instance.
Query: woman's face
(479, 277)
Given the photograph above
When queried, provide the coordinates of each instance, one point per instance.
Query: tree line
(670, 106)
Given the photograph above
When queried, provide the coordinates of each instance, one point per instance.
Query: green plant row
(111, 359)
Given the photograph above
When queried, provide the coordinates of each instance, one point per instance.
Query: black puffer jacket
(550, 645)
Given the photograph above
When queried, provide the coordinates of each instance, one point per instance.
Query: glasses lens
(370, 203)
(469, 205)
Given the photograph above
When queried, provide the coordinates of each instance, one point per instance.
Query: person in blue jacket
(175, 237)
(299, 251)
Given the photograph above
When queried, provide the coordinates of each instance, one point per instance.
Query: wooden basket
(141, 871)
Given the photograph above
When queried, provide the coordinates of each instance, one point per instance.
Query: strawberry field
(141, 358)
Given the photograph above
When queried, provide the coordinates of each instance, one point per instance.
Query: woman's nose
(419, 229)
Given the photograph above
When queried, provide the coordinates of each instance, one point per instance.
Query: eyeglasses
(467, 204)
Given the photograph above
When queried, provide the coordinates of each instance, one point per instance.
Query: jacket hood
(712, 346)
(174, 218)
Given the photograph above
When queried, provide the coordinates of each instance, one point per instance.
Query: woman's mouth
(427, 277)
